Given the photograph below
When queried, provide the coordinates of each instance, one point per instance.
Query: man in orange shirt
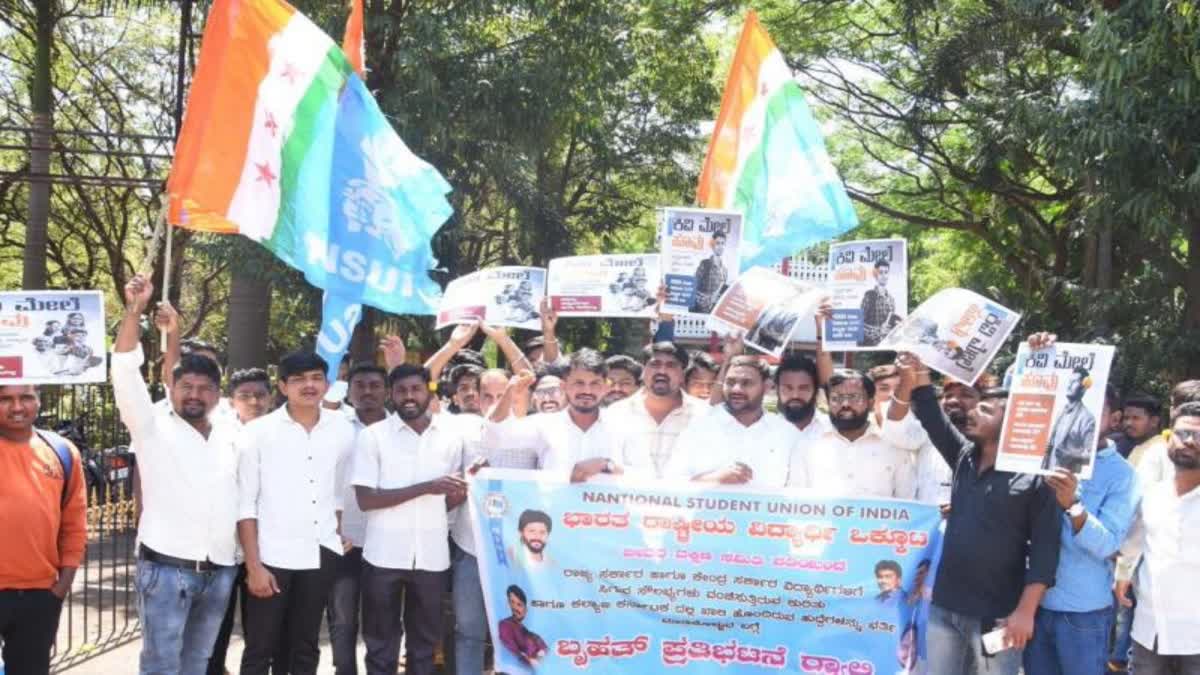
(43, 527)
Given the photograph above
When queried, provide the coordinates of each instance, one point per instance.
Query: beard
(533, 545)
(852, 423)
(1184, 458)
(408, 413)
(795, 411)
(958, 418)
(193, 410)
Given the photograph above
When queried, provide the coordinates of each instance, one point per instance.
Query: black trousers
(216, 663)
(289, 621)
(28, 625)
(395, 601)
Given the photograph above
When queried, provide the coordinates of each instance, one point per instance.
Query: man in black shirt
(1001, 546)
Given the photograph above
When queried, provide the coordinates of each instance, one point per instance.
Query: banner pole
(166, 285)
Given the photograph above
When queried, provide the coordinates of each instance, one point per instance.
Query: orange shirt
(38, 535)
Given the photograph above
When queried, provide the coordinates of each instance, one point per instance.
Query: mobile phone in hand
(994, 642)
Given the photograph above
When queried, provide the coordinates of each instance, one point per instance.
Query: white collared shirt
(390, 456)
(641, 444)
(933, 475)
(289, 480)
(1166, 536)
(560, 443)
(868, 466)
(462, 530)
(189, 483)
(718, 439)
(354, 521)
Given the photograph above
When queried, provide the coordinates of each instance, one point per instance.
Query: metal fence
(100, 613)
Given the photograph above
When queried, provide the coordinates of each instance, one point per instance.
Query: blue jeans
(954, 643)
(470, 619)
(1123, 634)
(181, 614)
(1068, 643)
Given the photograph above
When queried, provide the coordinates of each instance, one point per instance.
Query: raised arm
(459, 338)
(824, 359)
(166, 320)
(512, 353)
(550, 351)
(129, 389)
(915, 391)
(394, 351)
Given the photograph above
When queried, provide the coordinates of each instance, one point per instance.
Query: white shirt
(934, 476)
(642, 445)
(1152, 463)
(717, 440)
(390, 455)
(868, 466)
(462, 529)
(289, 479)
(560, 443)
(354, 521)
(1166, 535)
(189, 483)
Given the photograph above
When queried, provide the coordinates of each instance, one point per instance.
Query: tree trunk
(1191, 308)
(363, 343)
(249, 319)
(41, 97)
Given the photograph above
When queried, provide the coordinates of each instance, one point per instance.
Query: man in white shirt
(1166, 538)
(796, 384)
(406, 480)
(367, 387)
(562, 438)
(646, 424)
(470, 617)
(185, 567)
(737, 442)
(852, 459)
(289, 473)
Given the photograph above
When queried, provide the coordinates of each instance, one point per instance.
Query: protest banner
(868, 286)
(700, 249)
(1055, 409)
(956, 332)
(652, 577)
(499, 296)
(604, 285)
(52, 337)
(766, 307)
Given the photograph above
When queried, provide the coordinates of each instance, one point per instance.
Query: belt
(150, 555)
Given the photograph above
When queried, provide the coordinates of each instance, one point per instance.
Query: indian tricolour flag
(767, 158)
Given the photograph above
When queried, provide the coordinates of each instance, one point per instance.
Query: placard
(52, 337)
(700, 249)
(499, 296)
(605, 285)
(868, 286)
(766, 307)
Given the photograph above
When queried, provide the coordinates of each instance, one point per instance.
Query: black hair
(193, 345)
(752, 362)
(194, 364)
(667, 347)
(1151, 405)
(721, 234)
(1185, 392)
(884, 565)
(366, 369)
(1082, 371)
(405, 370)
(516, 590)
(533, 343)
(1189, 409)
(296, 363)
(796, 363)
(468, 356)
(842, 375)
(1112, 397)
(248, 375)
(529, 516)
(883, 263)
(623, 362)
(993, 393)
(701, 361)
(464, 370)
(589, 360)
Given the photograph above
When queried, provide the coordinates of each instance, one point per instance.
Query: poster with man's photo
(766, 307)
(52, 337)
(1055, 409)
(699, 257)
(604, 285)
(499, 296)
(868, 286)
(956, 332)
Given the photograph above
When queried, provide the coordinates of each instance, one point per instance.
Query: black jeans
(289, 620)
(395, 601)
(28, 624)
(343, 613)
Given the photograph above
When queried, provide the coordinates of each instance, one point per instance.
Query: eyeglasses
(548, 392)
(1187, 436)
(839, 399)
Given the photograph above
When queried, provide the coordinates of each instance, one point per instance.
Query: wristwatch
(1076, 510)
(608, 466)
